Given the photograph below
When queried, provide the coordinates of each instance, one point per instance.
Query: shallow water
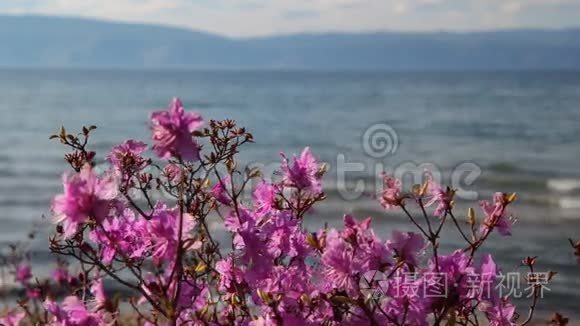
(515, 131)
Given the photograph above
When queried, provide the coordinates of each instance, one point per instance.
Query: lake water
(513, 131)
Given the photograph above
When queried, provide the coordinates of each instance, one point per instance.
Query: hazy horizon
(571, 27)
(260, 18)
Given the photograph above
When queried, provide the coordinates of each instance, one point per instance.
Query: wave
(569, 202)
(507, 183)
(25, 202)
(564, 185)
(34, 173)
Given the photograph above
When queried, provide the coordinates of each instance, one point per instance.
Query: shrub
(115, 227)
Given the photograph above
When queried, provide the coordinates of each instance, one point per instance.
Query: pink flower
(489, 269)
(351, 253)
(247, 236)
(406, 246)
(124, 234)
(23, 273)
(78, 314)
(488, 274)
(391, 195)
(72, 311)
(85, 196)
(193, 295)
(12, 318)
(407, 301)
(59, 315)
(221, 189)
(172, 172)
(501, 314)
(283, 235)
(263, 321)
(264, 198)
(128, 155)
(339, 266)
(172, 132)
(451, 276)
(98, 291)
(496, 216)
(60, 274)
(163, 232)
(33, 293)
(438, 195)
(230, 274)
(353, 228)
(304, 173)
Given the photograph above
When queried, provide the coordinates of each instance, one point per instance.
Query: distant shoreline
(43, 41)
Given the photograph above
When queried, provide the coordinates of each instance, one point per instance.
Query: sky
(245, 18)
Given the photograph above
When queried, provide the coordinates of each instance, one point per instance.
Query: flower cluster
(144, 225)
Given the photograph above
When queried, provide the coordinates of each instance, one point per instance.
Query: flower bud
(231, 165)
(254, 173)
(471, 219)
(312, 240)
(529, 261)
(264, 296)
(510, 198)
(200, 268)
(306, 299)
(339, 299)
(322, 170)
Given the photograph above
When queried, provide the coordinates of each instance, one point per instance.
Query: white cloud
(511, 7)
(262, 17)
(400, 8)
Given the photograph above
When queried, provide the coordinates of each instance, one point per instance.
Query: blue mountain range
(46, 41)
